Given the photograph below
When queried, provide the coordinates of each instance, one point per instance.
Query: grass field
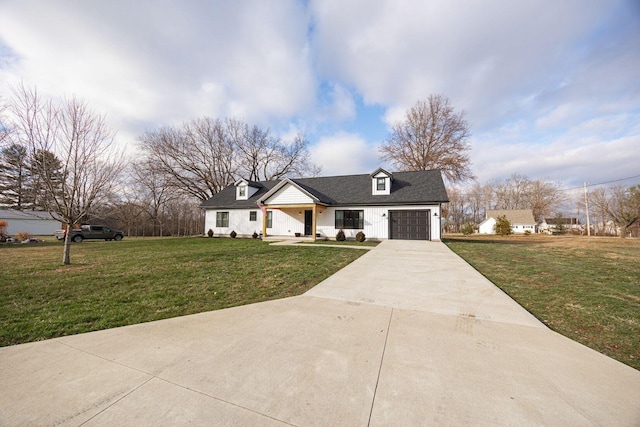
(113, 284)
(587, 289)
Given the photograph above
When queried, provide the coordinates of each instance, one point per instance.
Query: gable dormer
(381, 182)
(245, 189)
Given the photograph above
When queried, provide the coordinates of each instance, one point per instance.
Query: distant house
(37, 223)
(551, 225)
(383, 205)
(521, 221)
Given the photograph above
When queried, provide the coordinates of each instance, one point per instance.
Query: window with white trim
(222, 219)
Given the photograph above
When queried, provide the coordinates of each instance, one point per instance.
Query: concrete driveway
(408, 334)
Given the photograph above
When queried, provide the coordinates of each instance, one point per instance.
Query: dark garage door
(409, 225)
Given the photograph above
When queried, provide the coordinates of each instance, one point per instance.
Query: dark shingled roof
(417, 187)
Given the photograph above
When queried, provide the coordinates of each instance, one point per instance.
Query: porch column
(314, 221)
(264, 224)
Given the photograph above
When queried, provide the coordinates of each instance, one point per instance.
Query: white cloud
(344, 154)
(164, 62)
(539, 82)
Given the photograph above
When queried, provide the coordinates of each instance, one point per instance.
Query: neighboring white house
(550, 225)
(402, 205)
(37, 223)
(521, 221)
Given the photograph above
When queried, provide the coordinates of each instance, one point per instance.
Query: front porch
(305, 216)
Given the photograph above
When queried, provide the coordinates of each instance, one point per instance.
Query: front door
(308, 222)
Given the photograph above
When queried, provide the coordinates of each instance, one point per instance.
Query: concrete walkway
(408, 334)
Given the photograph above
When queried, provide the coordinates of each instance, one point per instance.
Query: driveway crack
(384, 349)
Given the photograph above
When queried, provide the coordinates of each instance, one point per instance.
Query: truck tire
(117, 237)
(77, 238)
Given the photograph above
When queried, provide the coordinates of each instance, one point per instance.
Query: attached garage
(410, 224)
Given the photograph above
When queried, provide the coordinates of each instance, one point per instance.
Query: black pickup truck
(91, 232)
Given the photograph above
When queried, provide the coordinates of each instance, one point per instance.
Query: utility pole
(586, 203)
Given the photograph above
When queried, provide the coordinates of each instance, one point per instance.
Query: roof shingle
(415, 187)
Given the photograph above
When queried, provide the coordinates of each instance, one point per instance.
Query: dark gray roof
(417, 187)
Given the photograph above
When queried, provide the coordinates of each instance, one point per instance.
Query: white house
(550, 225)
(402, 205)
(521, 221)
(37, 223)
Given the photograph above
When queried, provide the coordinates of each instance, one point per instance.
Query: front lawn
(113, 284)
(587, 289)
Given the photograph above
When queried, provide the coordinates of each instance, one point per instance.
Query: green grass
(113, 284)
(587, 289)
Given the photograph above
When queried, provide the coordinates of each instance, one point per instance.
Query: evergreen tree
(13, 176)
(503, 226)
(44, 167)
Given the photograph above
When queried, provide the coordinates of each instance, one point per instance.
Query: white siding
(36, 227)
(487, 226)
(287, 222)
(288, 195)
(376, 226)
(238, 222)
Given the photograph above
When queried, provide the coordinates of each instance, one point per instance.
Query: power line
(603, 183)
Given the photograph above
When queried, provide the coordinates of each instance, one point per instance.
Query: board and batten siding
(238, 222)
(289, 195)
(376, 226)
(287, 222)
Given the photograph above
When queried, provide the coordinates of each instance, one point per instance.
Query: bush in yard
(254, 235)
(233, 234)
(210, 233)
(340, 237)
(527, 232)
(467, 229)
(360, 237)
(22, 235)
(3, 231)
(503, 226)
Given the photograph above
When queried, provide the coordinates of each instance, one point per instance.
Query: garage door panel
(409, 225)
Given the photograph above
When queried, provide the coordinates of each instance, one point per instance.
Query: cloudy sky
(551, 89)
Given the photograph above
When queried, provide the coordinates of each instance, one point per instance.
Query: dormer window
(241, 191)
(381, 182)
(245, 189)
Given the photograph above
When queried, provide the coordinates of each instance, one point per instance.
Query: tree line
(59, 156)
(613, 210)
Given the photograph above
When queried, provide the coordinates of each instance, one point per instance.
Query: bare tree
(543, 197)
(455, 210)
(82, 141)
(623, 206)
(263, 157)
(5, 129)
(197, 158)
(154, 191)
(599, 203)
(203, 156)
(479, 198)
(511, 193)
(432, 136)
